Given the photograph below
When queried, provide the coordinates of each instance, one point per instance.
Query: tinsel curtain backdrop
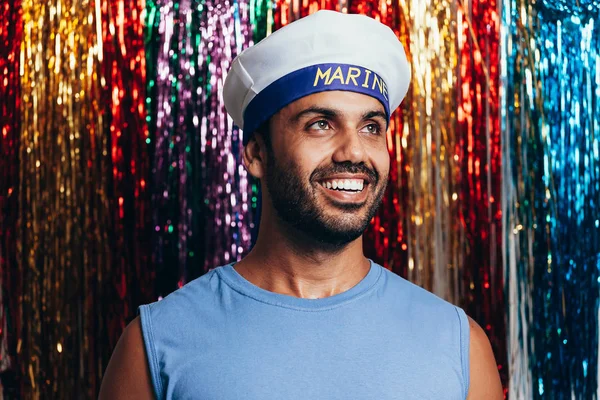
(121, 175)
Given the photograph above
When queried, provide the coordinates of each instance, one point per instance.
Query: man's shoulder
(189, 298)
(399, 286)
(408, 300)
(126, 375)
(427, 315)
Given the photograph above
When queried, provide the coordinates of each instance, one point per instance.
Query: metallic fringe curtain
(10, 42)
(81, 210)
(202, 199)
(121, 175)
(551, 129)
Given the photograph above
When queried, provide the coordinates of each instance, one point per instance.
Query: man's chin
(345, 216)
(349, 231)
(329, 206)
(340, 238)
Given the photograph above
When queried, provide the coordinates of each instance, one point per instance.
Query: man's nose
(350, 148)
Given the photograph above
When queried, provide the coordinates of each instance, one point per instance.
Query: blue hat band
(310, 80)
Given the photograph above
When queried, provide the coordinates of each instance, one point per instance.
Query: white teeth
(345, 184)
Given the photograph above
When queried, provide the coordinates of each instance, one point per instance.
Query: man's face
(328, 164)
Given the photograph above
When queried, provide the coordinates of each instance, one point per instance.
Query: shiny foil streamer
(59, 117)
(261, 18)
(81, 214)
(11, 30)
(431, 236)
(126, 137)
(440, 221)
(202, 198)
(477, 153)
(448, 152)
(551, 128)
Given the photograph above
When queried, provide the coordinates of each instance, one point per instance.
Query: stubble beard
(296, 203)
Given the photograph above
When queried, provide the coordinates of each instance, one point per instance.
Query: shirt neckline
(241, 285)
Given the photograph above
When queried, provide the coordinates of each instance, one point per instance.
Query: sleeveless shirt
(221, 337)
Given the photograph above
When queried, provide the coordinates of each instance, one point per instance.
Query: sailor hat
(324, 51)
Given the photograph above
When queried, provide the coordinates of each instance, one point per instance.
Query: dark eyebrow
(328, 112)
(374, 114)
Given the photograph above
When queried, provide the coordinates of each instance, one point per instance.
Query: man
(305, 315)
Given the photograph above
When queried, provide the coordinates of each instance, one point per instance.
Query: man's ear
(254, 156)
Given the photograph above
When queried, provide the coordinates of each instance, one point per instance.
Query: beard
(295, 201)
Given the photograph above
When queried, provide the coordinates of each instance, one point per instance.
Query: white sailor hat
(325, 51)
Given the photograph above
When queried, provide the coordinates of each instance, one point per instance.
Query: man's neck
(303, 268)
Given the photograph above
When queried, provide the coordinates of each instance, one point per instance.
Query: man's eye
(372, 128)
(320, 125)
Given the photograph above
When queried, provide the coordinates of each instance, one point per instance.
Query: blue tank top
(222, 338)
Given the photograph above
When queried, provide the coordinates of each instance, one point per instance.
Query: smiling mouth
(345, 185)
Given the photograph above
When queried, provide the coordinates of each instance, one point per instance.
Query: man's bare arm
(484, 381)
(127, 375)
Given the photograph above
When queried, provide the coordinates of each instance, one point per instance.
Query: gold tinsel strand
(434, 237)
(63, 241)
